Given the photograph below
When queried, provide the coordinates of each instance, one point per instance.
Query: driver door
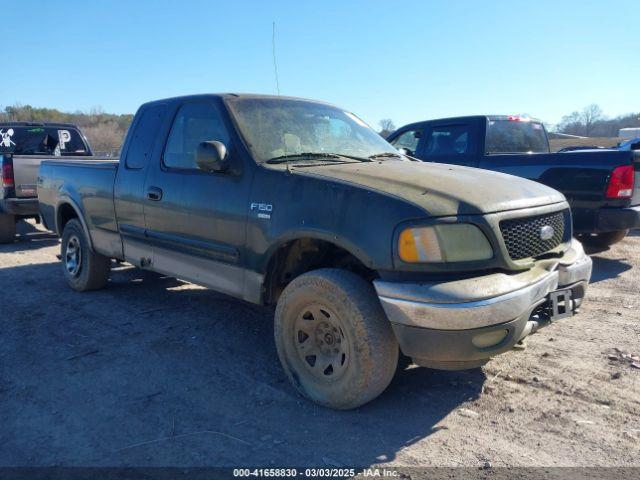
(196, 220)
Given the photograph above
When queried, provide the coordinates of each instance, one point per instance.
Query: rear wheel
(7, 228)
(83, 269)
(334, 340)
(605, 239)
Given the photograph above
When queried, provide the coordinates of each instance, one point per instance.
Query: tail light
(621, 182)
(7, 173)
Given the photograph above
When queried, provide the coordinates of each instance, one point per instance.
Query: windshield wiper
(315, 155)
(385, 154)
(304, 155)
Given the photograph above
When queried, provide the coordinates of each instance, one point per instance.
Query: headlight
(455, 242)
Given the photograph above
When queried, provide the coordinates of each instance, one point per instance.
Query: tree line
(591, 122)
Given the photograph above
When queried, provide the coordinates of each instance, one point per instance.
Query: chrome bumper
(488, 300)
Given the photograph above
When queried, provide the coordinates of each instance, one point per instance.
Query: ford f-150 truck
(23, 146)
(299, 204)
(602, 186)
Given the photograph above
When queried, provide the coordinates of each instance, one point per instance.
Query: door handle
(154, 194)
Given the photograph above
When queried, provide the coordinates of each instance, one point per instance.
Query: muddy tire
(334, 340)
(603, 240)
(7, 228)
(83, 269)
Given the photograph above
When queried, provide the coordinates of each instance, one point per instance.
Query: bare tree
(590, 115)
(583, 122)
(386, 127)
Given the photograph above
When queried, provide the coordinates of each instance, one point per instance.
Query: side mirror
(211, 156)
(405, 151)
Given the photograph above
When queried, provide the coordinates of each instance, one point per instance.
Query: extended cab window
(144, 136)
(449, 140)
(195, 123)
(516, 136)
(408, 140)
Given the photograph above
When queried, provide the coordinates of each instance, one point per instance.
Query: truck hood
(441, 189)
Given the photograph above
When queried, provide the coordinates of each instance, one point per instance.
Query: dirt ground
(153, 371)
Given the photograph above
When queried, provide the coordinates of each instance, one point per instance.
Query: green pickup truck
(299, 204)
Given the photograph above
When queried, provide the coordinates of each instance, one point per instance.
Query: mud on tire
(333, 339)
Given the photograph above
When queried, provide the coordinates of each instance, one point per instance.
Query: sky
(407, 61)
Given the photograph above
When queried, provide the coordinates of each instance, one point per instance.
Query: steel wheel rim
(321, 343)
(73, 256)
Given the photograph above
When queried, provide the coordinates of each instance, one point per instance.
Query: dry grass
(558, 143)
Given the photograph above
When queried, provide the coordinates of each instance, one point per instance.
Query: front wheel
(605, 239)
(7, 228)
(83, 269)
(333, 339)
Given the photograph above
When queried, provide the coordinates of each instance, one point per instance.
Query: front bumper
(615, 219)
(19, 206)
(447, 324)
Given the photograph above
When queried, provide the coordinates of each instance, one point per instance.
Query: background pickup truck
(22, 147)
(602, 186)
(300, 204)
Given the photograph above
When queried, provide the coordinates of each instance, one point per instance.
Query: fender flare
(66, 200)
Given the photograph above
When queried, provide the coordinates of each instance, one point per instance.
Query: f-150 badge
(264, 209)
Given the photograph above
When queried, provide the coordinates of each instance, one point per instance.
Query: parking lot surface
(153, 371)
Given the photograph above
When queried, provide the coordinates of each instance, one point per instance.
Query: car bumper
(614, 219)
(19, 206)
(461, 324)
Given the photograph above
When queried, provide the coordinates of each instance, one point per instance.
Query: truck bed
(87, 184)
(581, 176)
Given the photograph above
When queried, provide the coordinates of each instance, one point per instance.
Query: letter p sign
(63, 138)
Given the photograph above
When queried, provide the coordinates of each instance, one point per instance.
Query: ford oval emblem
(546, 232)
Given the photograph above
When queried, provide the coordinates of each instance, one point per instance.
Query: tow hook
(531, 327)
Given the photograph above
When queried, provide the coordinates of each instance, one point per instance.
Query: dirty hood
(441, 189)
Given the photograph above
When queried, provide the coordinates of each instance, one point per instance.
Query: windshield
(509, 136)
(41, 140)
(275, 127)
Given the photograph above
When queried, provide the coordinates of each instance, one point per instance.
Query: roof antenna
(273, 49)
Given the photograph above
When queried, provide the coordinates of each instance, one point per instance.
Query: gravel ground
(153, 371)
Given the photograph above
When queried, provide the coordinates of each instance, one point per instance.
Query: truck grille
(522, 236)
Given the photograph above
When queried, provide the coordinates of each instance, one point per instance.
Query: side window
(449, 140)
(35, 140)
(195, 123)
(69, 142)
(408, 140)
(144, 135)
